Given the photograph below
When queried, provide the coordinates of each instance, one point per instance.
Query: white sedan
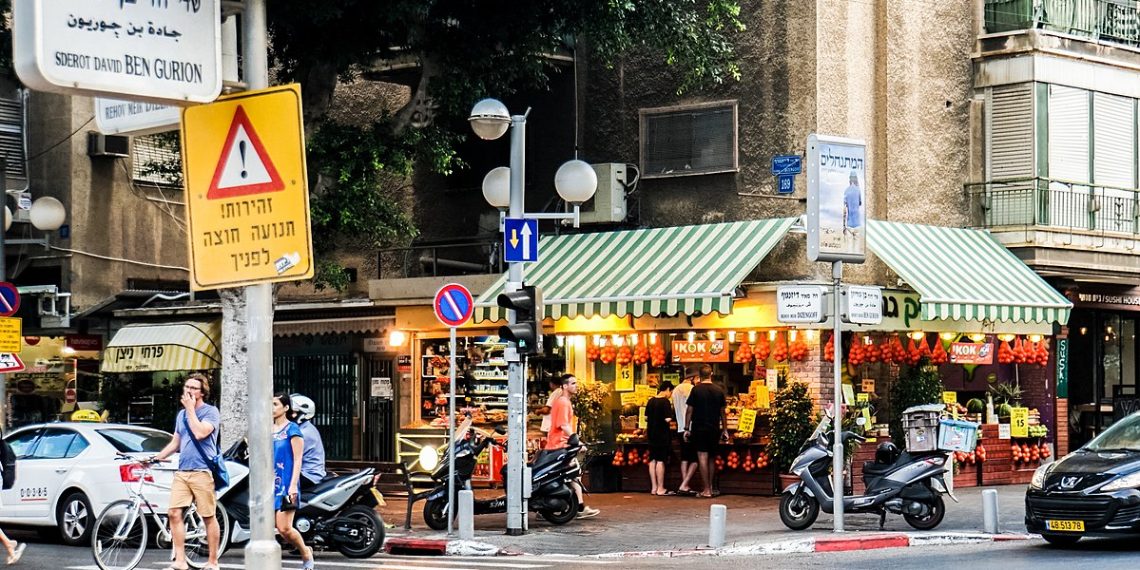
(68, 472)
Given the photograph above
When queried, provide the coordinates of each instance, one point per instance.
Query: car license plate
(1066, 526)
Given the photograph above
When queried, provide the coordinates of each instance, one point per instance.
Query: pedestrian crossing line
(407, 563)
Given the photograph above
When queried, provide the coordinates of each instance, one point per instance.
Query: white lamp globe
(497, 187)
(576, 181)
(7, 218)
(489, 119)
(47, 214)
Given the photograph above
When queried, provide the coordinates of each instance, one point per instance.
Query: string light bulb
(731, 337)
(751, 336)
(692, 336)
(979, 337)
(810, 333)
(652, 338)
(771, 335)
(947, 335)
(712, 336)
(1035, 338)
(917, 335)
(633, 339)
(618, 340)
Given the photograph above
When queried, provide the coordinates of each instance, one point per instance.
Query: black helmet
(887, 453)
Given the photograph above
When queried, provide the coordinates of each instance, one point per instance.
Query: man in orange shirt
(561, 428)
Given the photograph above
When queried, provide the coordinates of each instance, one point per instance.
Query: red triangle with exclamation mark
(244, 167)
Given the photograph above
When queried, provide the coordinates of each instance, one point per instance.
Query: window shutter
(1011, 132)
(682, 141)
(156, 160)
(1068, 134)
(1114, 135)
(12, 138)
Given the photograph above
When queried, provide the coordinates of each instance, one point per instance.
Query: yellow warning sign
(11, 334)
(243, 160)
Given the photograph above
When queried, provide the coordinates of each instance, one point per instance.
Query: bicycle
(119, 539)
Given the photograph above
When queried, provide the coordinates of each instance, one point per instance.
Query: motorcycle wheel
(564, 515)
(798, 512)
(932, 519)
(435, 513)
(374, 533)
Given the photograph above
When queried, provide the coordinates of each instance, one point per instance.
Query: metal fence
(1110, 20)
(331, 380)
(1054, 203)
(455, 258)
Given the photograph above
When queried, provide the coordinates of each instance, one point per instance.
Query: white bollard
(717, 516)
(466, 515)
(990, 511)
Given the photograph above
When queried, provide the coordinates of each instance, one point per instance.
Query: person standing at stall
(657, 413)
(688, 452)
(708, 424)
(562, 422)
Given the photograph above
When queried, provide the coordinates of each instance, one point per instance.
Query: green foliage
(916, 386)
(590, 407)
(791, 419)
(169, 171)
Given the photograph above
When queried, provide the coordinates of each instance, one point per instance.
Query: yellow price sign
(1019, 422)
(628, 398)
(642, 423)
(949, 397)
(623, 377)
(862, 397)
(11, 334)
(747, 421)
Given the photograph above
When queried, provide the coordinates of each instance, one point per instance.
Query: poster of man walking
(837, 198)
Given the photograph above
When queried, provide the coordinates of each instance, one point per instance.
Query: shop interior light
(1034, 338)
(633, 339)
(772, 335)
(810, 334)
(1084, 330)
(731, 337)
(397, 338)
(652, 338)
(561, 340)
(792, 334)
(917, 335)
(597, 340)
(618, 340)
(978, 337)
(1001, 337)
(948, 335)
(712, 336)
(692, 336)
(751, 336)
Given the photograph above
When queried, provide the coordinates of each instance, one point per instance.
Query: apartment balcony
(1114, 21)
(1061, 228)
(412, 275)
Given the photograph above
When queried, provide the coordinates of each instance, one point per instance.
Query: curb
(870, 541)
(438, 547)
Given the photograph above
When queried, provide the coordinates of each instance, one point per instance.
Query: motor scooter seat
(321, 487)
(876, 469)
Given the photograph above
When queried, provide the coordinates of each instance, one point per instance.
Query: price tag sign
(642, 423)
(747, 422)
(623, 377)
(628, 398)
(949, 397)
(868, 385)
(1019, 422)
(848, 394)
(762, 397)
(867, 418)
(672, 378)
(1003, 431)
(771, 377)
(862, 397)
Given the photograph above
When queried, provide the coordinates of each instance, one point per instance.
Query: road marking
(383, 562)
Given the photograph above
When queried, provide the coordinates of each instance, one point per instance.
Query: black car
(1094, 491)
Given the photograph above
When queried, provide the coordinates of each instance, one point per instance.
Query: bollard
(990, 511)
(717, 516)
(466, 515)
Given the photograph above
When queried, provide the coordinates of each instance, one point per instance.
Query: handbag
(217, 463)
(289, 502)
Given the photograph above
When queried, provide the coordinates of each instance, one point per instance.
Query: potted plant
(791, 420)
(591, 407)
(916, 385)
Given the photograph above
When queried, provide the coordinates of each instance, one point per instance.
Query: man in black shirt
(657, 413)
(707, 423)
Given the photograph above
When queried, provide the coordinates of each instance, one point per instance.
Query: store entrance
(1103, 375)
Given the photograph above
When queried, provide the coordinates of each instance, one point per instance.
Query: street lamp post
(575, 182)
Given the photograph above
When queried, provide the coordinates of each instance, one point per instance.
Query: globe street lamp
(575, 182)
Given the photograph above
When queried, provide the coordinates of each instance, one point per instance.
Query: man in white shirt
(688, 452)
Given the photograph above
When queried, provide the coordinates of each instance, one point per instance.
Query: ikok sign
(158, 50)
(247, 190)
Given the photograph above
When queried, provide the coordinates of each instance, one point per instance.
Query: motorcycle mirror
(501, 429)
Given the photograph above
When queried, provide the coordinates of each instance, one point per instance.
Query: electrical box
(113, 146)
(608, 204)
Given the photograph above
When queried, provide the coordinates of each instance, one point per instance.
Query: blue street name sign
(787, 164)
(520, 240)
(786, 184)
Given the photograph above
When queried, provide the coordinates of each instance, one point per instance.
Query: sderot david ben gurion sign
(161, 50)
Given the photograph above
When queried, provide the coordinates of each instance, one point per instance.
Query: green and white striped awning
(659, 271)
(965, 274)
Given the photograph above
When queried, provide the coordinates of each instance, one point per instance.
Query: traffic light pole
(516, 374)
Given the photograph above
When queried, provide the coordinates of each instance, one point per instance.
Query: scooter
(551, 497)
(908, 484)
(338, 514)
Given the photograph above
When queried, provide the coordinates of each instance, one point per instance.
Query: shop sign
(972, 353)
(747, 422)
(900, 310)
(623, 377)
(382, 388)
(11, 337)
(88, 342)
(800, 304)
(673, 378)
(1062, 368)
(1019, 422)
(1004, 431)
(836, 199)
(404, 363)
(700, 351)
(863, 305)
(868, 385)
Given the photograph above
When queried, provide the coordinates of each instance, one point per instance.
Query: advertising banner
(700, 351)
(837, 199)
(972, 353)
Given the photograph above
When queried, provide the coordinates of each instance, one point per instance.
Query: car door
(23, 444)
(46, 469)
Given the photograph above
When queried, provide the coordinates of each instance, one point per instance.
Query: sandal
(17, 553)
(666, 494)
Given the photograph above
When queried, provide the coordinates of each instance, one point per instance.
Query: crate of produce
(920, 424)
(954, 435)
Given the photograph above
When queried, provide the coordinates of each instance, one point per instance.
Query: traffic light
(527, 330)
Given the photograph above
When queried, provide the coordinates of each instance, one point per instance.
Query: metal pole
(516, 381)
(451, 441)
(837, 449)
(262, 552)
(4, 277)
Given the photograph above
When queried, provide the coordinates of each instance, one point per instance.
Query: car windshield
(1123, 435)
(134, 440)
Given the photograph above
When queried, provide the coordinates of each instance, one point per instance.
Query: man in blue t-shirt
(313, 458)
(194, 482)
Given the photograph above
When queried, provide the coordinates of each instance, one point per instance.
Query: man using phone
(194, 482)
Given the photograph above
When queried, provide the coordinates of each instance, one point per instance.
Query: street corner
(429, 546)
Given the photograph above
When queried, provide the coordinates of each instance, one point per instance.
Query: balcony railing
(1049, 203)
(1115, 21)
(463, 257)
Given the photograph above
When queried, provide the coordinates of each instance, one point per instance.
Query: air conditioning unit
(608, 204)
(113, 146)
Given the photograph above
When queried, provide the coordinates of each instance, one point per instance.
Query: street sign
(787, 164)
(10, 362)
(247, 192)
(11, 334)
(453, 304)
(9, 299)
(800, 304)
(520, 240)
(785, 184)
(158, 50)
(117, 116)
(863, 305)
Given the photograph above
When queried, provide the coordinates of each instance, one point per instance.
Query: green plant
(916, 386)
(791, 419)
(590, 409)
(1006, 393)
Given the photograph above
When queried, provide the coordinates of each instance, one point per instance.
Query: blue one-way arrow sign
(520, 240)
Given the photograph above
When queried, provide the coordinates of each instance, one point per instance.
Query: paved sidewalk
(638, 522)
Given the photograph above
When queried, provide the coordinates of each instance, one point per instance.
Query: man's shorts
(688, 450)
(705, 439)
(196, 487)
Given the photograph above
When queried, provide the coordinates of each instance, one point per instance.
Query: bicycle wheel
(197, 546)
(118, 541)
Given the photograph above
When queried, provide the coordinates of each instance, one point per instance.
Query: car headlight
(1038, 480)
(1130, 481)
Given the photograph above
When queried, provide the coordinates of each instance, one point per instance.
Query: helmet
(887, 453)
(305, 407)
